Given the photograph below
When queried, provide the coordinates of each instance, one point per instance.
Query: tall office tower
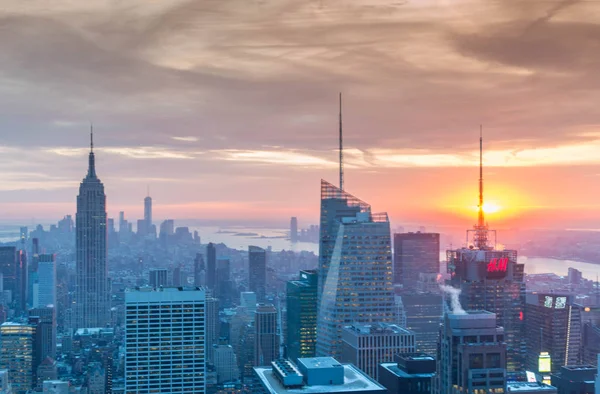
(266, 348)
(212, 324)
(123, 226)
(415, 253)
(110, 224)
(17, 354)
(355, 268)
(224, 285)
(245, 350)
(8, 268)
(294, 229)
(552, 325)
(46, 284)
(367, 346)
(148, 213)
(199, 269)
(211, 266)
(20, 295)
(179, 277)
(301, 335)
(46, 334)
(408, 374)
(32, 271)
(158, 277)
(225, 363)
(257, 267)
(491, 280)
(472, 354)
(424, 313)
(92, 296)
(23, 234)
(172, 360)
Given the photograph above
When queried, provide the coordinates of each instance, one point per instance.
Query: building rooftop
(319, 362)
(393, 368)
(377, 328)
(163, 289)
(354, 380)
(516, 387)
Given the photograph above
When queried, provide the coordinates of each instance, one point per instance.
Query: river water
(242, 237)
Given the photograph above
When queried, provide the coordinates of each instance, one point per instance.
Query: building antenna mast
(341, 149)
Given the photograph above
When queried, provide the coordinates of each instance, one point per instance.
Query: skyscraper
(22, 281)
(302, 316)
(199, 270)
(491, 280)
(553, 325)
(472, 354)
(8, 267)
(158, 277)
(148, 213)
(17, 354)
(92, 294)
(211, 266)
(266, 348)
(294, 229)
(355, 268)
(424, 312)
(212, 324)
(171, 360)
(224, 285)
(257, 267)
(415, 253)
(47, 330)
(46, 284)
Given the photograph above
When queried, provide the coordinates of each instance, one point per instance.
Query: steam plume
(457, 309)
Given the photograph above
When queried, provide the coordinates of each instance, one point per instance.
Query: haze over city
(228, 110)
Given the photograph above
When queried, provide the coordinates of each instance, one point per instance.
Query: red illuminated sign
(498, 265)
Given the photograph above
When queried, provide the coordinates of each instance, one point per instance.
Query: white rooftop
(354, 381)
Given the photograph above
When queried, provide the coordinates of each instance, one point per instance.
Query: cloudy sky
(228, 109)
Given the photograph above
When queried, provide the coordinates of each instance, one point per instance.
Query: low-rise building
(317, 375)
(411, 373)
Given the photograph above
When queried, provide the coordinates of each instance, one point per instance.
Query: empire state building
(92, 295)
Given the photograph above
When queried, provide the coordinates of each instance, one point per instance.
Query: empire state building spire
(92, 159)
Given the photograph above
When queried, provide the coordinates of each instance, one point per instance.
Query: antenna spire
(341, 149)
(481, 219)
(91, 160)
(481, 229)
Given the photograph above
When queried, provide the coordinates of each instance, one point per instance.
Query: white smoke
(457, 309)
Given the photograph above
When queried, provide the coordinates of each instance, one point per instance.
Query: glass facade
(355, 268)
(302, 316)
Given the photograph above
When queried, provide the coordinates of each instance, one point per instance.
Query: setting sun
(490, 207)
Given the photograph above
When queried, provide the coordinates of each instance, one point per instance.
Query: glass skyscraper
(302, 316)
(355, 268)
(257, 265)
(92, 295)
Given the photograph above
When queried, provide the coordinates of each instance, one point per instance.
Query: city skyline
(223, 123)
